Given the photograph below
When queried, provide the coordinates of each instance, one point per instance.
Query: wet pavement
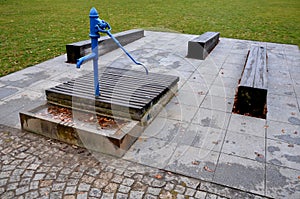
(195, 137)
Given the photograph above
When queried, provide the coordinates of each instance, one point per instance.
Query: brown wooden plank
(255, 71)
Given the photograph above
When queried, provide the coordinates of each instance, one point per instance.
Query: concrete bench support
(200, 47)
(106, 44)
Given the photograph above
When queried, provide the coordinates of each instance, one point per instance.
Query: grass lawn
(33, 31)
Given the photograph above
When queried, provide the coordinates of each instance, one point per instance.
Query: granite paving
(195, 148)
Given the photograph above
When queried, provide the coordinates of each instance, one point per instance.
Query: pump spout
(81, 60)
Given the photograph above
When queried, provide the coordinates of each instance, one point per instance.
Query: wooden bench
(200, 47)
(252, 90)
(106, 44)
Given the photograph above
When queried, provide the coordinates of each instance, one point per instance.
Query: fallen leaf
(293, 113)
(207, 169)
(295, 132)
(215, 142)
(282, 131)
(195, 162)
(290, 145)
(158, 176)
(266, 126)
(298, 177)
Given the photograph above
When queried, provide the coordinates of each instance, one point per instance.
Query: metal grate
(121, 89)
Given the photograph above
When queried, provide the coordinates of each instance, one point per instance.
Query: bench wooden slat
(255, 71)
(251, 97)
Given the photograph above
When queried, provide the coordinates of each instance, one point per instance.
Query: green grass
(33, 31)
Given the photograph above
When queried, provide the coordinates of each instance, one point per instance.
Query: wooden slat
(255, 71)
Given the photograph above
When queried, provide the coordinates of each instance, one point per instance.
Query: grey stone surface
(283, 154)
(192, 161)
(221, 91)
(164, 129)
(212, 118)
(218, 103)
(282, 182)
(188, 98)
(238, 144)
(284, 132)
(179, 112)
(196, 147)
(240, 173)
(202, 137)
(247, 125)
(152, 151)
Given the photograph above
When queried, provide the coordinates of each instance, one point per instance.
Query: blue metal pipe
(81, 60)
(94, 35)
(97, 25)
(125, 51)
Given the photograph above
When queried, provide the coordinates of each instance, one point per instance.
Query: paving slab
(201, 137)
(180, 112)
(164, 129)
(188, 98)
(237, 144)
(240, 173)
(284, 132)
(222, 91)
(193, 161)
(212, 118)
(225, 82)
(151, 151)
(283, 154)
(247, 125)
(218, 103)
(6, 91)
(282, 182)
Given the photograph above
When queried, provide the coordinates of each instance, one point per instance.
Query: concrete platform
(196, 134)
(95, 132)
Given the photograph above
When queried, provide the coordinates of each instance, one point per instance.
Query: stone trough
(110, 123)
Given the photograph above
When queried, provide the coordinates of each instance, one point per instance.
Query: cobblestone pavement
(32, 166)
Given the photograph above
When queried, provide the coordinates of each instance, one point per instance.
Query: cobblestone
(50, 169)
(124, 189)
(128, 182)
(190, 192)
(95, 192)
(179, 189)
(117, 179)
(153, 191)
(121, 196)
(70, 190)
(136, 194)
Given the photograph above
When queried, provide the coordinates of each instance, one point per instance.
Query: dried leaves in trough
(65, 115)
